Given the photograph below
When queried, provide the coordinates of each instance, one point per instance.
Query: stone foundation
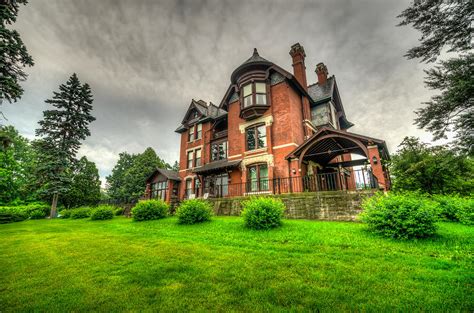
(328, 206)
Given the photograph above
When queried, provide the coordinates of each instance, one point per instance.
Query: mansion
(271, 133)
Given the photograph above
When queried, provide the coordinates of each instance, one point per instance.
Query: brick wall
(329, 206)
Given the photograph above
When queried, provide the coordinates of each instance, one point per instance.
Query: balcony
(219, 134)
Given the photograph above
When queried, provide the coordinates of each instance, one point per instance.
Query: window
(191, 134)
(256, 137)
(254, 93)
(189, 189)
(219, 151)
(197, 187)
(257, 178)
(198, 158)
(190, 159)
(198, 131)
(158, 190)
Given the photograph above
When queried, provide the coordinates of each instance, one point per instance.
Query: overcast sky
(146, 59)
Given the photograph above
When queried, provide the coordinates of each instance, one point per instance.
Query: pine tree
(446, 24)
(13, 53)
(85, 185)
(62, 130)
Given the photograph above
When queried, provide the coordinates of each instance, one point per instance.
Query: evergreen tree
(446, 24)
(85, 185)
(13, 53)
(175, 166)
(62, 130)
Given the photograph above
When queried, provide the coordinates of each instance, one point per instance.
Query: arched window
(256, 137)
(257, 177)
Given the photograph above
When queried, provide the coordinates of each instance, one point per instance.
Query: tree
(446, 23)
(175, 166)
(85, 185)
(128, 179)
(13, 53)
(62, 130)
(17, 161)
(434, 170)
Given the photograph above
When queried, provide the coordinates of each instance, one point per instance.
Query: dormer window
(254, 94)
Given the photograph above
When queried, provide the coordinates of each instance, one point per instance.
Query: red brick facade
(272, 125)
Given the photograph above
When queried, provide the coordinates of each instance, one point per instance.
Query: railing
(344, 180)
(219, 134)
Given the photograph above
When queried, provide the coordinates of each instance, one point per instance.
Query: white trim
(194, 148)
(255, 151)
(234, 156)
(268, 120)
(285, 145)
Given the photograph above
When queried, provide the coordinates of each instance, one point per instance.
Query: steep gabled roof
(205, 113)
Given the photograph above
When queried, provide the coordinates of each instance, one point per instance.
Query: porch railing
(344, 180)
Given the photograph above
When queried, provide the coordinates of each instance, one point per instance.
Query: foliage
(128, 179)
(65, 213)
(119, 211)
(37, 214)
(12, 214)
(85, 185)
(17, 162)
(306, 266)
(446, 23)
(14, 53)
(175, 166)
(433, 170)
(262, 212)
(150, 210)
(83, 212)
(456, 209)
(62, 130)
(103, 212)
(400, 216)
(194, 211)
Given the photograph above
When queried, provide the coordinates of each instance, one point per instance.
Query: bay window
(257, 178)
(158, 190)
(254, 94)
(256, 137)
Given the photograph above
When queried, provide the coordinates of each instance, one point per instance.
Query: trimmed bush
(103, 212)
(263, 212)
(119, 211)
(12, 214)
(150, 210)
(456, 209)
(400, 216)
(194, 211)
(37, 214)
(83, 212)
(65, 213)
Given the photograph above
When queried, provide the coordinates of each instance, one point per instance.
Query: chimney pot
(299, 69)
(322, 72)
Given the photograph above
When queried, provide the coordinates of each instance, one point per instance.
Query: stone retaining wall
(329, 206)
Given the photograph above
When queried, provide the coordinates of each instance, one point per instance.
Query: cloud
(145, 60)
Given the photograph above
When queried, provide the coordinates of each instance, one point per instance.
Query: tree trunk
(54, 205)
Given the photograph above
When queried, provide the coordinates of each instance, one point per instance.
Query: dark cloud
(145, 60)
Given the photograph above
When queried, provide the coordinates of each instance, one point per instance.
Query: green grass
(117, 265)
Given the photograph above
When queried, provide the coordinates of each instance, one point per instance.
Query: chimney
(299, 69)
(322, 72)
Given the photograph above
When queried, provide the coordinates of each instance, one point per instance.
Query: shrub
(400, 216)
(263, 212)
(150, 210)
(103, 212)
(83, 212)
(119, 211)
(65, 213)
(12, 214)
(194, 211)
(456, 209)
(37, 214)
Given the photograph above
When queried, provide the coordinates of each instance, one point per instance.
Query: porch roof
(216, 166)
(169, 174)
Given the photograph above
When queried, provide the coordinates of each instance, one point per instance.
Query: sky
(146, 59)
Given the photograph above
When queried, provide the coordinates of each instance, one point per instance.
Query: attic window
(254, 94)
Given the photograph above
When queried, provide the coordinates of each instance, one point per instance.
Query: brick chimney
(299, 69)
(322, 72)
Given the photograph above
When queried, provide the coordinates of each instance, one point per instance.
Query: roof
(206, 112)
(255, 59)
(172, 175)
(323, 92)
(216, 166)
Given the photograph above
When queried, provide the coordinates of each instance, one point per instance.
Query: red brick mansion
(271, 133)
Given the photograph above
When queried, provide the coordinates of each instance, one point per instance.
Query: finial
(255, 52)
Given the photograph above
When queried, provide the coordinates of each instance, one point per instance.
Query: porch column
(376, 166)
(148, 191)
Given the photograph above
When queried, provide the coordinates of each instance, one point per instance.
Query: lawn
(117, 265)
